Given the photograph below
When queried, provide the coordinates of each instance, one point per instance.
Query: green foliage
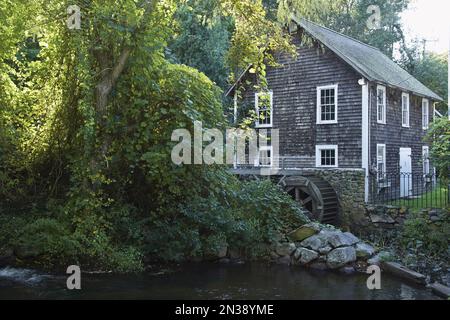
(432, 70)
(202, 38)
(237, 215)
(438, 137)
(10, 229)
(255, 40)
(421, 235)
(47, 239)
(88, 177)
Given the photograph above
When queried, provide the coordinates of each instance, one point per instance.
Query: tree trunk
(109, 75)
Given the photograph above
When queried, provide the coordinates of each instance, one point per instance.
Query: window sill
(263, 126)
(262, 166)
(327, 122)
(383, 185)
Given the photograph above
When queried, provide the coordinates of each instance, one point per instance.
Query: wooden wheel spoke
(307, 200)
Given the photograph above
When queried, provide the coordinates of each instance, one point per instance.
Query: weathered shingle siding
(393, 135)
(294, 87)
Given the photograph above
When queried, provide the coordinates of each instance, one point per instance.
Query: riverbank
(420, 242)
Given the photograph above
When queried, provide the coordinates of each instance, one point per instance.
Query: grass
(437, 198)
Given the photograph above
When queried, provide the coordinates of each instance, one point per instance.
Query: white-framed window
(425, 114)
(381, 104)
(327, 156)
(264, 157)
(264, 108)
(327, 104)
(426, 160)
(381, 161)
(405, 110)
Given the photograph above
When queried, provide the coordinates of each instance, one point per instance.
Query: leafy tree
(202, 38)
(432, 70)
(16, 20)
(439, 138)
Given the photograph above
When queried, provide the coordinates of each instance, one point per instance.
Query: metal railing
(280, 163)
(417, 191)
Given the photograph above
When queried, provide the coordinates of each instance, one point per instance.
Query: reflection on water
(208, 281)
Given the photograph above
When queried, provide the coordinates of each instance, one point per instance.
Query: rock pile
(322, 247)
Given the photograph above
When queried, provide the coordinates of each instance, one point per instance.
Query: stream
(252, 281)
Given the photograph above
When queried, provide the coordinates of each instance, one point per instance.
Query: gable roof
(368, 61)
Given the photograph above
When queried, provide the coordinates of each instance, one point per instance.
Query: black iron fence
(417, 191)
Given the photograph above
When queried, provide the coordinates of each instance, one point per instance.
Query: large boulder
(340, 257)
(384, 218)
(340, 239)
(314, 243)
(325, 250)
(305, 256)
(285, 249)
(304, 232)
(364, 251)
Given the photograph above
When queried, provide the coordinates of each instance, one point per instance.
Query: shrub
(419, 234)
(49, 240)
(245, 216)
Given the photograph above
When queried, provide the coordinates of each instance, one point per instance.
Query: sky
(429, 19)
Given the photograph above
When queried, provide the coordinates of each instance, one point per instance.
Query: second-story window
(264, 108)
(327, 104)
(381, 104)
(425, 114)
(405, 110)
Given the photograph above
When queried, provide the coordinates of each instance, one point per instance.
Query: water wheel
(315, 195)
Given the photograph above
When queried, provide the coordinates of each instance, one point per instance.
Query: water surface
(209, 281)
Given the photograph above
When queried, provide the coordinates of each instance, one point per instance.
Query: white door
(405, 173)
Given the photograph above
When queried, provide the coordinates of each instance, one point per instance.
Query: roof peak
(338, 33)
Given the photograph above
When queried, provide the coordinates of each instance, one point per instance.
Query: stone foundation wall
(349, 187)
